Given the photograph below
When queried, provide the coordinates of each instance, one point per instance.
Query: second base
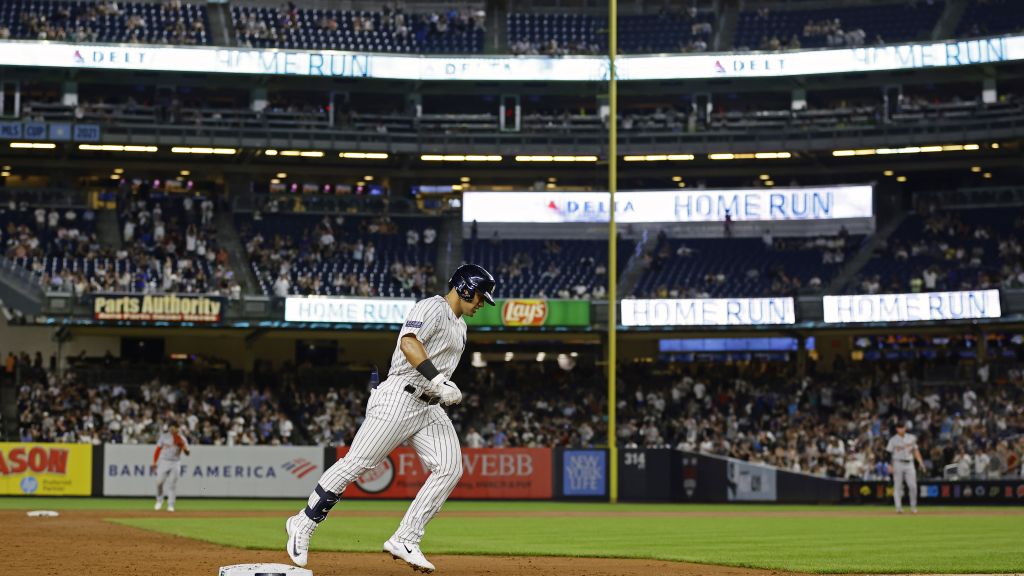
(263, 570)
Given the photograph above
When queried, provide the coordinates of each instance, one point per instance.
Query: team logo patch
(414, 324)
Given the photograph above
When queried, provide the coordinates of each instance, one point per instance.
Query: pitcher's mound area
(80, 543)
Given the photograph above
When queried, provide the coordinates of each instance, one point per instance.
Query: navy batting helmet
(469, 279)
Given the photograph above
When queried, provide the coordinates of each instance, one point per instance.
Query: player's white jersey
(169, 450)
(902, 447)
(442, 334)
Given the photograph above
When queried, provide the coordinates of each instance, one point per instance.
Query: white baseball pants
(901, 473)
(394, 416)
(167, 481)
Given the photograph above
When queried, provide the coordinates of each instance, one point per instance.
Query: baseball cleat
(298, 539)
(170, 508)
(159, 504)
(410, 554)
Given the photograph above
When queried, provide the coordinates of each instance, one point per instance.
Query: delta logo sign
(587, 211)
(524, 312)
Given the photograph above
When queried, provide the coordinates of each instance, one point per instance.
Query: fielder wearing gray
(408, 407)
(167, 462)
(903, 448)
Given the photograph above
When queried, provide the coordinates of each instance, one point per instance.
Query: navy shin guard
(318, 511)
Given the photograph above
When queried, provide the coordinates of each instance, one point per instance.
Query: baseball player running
(903, 448)
(166, 461)
(408, 407)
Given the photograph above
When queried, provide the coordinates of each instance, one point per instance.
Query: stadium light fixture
(545, 158)
(658, 157)
(682, 184)
(995, 145)
(282, 175)
(887, 173)
(185, 173)
(368, 178)
(541, 356)
(769, 183)
(987, 175)
(34, 145)
(906, 150)
(5, 174)
(975, 169)
(275, 181)
(115, 176)
(901, 178)
(765, 177)
(456, 187)
(118, 170)
(677, 178)
(460, 158)
(509, 356)
(270, 152)
(7, 167)
(203, 150)
(464, 179)
(117, 148)
(363, 155)
(302, 153)
(750, 156)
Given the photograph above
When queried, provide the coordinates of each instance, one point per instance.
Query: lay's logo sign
(524, 312)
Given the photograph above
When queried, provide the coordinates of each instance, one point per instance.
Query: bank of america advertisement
(914, 307)
(347, 310)
(217, 471)
(741, 205)
(708, 312)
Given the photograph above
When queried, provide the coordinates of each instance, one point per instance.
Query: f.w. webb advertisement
(217, 471)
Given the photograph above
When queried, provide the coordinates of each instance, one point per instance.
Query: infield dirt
(83, 543)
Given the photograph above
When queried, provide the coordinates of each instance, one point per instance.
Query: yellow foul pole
(613, 277)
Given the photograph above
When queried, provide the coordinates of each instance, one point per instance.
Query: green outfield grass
(865, 539)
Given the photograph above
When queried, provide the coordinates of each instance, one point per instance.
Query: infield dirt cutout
(83, 543)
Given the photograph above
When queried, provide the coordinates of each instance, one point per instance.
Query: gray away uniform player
(167, 462)
(903, 448)
(408, 407)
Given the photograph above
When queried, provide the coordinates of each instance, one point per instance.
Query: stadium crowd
(834, 424)
(825, 424)
(170, 240)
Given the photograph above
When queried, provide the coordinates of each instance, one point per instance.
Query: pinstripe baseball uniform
(398, 411)
(168, 464)
(903, 470)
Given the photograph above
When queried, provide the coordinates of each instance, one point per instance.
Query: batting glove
(435, 386)
(450, 394)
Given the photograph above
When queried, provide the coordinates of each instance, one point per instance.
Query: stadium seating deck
(91, 21)
(816, 28)
(287, 243)
(386, 31)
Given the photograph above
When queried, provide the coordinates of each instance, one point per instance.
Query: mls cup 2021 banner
(498, 474)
